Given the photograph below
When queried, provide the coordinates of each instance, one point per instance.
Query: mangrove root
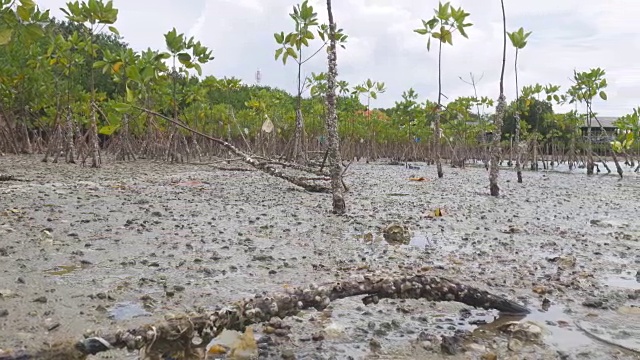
(174, 336)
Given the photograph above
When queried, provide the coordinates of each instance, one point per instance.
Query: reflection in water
(127, 310)
(627, 280)
(564, 333)
(420, 241)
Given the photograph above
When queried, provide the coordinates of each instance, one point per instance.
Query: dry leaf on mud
(524, 330)
(217, 349)
(6, 294)
(540, 289)
(438, 212)
(12, 211)
(489, 356)
(239, 346)
(629, 310)
(564, 261)
(246, 347)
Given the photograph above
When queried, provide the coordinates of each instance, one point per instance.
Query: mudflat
(125, 245)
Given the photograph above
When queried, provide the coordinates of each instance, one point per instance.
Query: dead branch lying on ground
(221, 161)
(224, 168)
(300, 167)
(175, 335)
(7, 177)
(249, 159)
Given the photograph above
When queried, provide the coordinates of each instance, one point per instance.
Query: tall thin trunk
(94, 149)
(299, 148)
(28, 148)
(613, 153)
(172, 146)
(70, 149)
(517, 119)
(436, 135)
(335, 159)
(499, 117)
(590, 162)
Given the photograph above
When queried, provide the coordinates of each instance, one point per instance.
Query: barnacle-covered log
(253, 161)
(174, 335)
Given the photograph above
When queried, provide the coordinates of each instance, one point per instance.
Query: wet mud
(100, 249)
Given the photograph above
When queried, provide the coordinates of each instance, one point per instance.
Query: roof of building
(606, 121)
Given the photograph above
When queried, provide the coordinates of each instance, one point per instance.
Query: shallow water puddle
(420, 240)
(563, 333)
(127, 310)
(628, 280)
(424, 242)
(63, 270)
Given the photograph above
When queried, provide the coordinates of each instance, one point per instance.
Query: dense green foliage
(48, 68)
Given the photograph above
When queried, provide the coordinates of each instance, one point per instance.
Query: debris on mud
(397, 234)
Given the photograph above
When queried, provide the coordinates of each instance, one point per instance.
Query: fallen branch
(175, 335)
(7, 177)
(222, 168)
(249, 159)
(304, 168)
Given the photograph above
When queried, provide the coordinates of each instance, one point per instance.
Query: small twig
(324, 159)
(95, 106)
(314, 54)
(346, 168)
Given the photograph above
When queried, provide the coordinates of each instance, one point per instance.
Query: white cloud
(567, 34)
(195, 30)
(254, 5)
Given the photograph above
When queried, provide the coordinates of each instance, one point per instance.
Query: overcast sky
(567, 34)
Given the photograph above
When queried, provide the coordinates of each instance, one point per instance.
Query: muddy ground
(124, 245)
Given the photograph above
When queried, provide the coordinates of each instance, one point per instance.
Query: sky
(566, 35)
